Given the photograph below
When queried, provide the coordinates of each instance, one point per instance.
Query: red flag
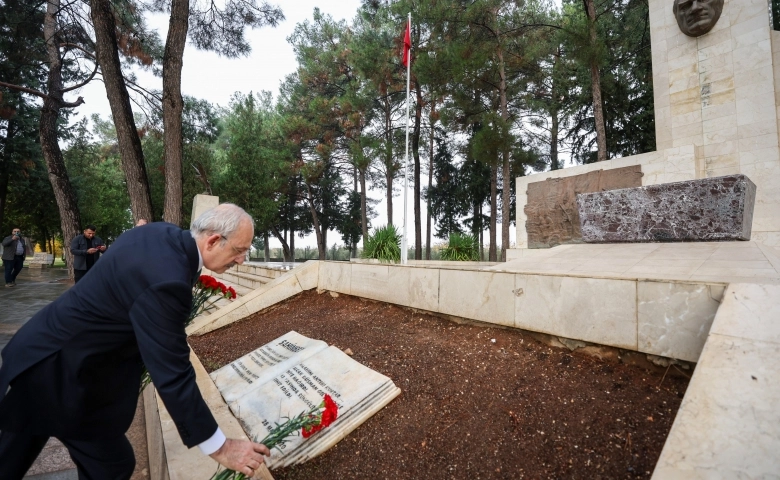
(407, 46)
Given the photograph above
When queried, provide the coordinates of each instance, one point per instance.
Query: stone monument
(716, 98)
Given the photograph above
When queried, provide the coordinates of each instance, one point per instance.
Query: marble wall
(666, 318)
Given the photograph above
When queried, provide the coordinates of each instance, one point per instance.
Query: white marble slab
(675, 318)
(727, 425)
(248, 373)
(354, 388)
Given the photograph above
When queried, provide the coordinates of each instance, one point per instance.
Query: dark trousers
(12, 268)
(104, 459)
(78, 275)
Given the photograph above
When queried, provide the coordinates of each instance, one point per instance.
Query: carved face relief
(697, 17)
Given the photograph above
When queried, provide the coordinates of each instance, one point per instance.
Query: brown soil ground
(478, 402)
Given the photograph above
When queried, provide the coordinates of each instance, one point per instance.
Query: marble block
(709, 209)
(291, 375)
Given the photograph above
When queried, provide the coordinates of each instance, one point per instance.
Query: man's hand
(90, 251)
(102, 248)
(241, 455)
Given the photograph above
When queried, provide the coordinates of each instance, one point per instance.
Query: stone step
(244, 279)
(262, 269)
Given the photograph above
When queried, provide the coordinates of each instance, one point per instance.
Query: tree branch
(79, 85)
(19, 88)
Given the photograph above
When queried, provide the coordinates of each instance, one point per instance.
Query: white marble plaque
(255, 368)
(297, 384)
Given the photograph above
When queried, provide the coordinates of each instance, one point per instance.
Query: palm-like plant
(461, 248)
(384, 244)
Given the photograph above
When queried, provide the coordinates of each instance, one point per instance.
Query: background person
(86, 249)
(15, 249)
(74, 368)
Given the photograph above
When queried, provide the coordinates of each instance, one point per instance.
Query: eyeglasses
(236, 250)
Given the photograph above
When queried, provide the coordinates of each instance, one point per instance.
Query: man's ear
(212, 241)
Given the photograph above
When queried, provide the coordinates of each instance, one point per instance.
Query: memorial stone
(711, 209)
(291, 375)
(553, 217)
(41, 259)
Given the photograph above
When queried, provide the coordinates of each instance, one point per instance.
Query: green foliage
(461, 248)
(254, 158)
(384, 244)
(93, 166)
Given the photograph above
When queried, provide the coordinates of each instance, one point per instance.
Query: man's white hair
(224, 220)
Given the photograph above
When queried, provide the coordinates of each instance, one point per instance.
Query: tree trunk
(416, 152)
(267, 249)
(172, 106)
(554, 125)
(363, 206)
(130, 152)
(554, 140)
(283, 241)
(389, 161)
(430, 184)
(70, 218)
(493, 211)
(292, 245)
(506, 176)
(595, 82)
(315, 219)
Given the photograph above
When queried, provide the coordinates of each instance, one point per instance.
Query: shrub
(384, 244)
(461, 248)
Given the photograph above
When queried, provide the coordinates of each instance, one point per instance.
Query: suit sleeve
(74, 247)
(158, 317)
(7, 240)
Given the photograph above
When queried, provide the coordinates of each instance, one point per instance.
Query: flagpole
(404, 247)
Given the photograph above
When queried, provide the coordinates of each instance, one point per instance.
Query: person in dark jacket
(74, 369)
(15, 249)
(86, 249)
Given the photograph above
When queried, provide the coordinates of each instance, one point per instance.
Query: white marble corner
(221, 317)
(335, 276)
(727, 424)
(200, 204)
(308, 274)
(675, 318)
(594, 310)
(750, 311)
(478, 295)
(280, 289)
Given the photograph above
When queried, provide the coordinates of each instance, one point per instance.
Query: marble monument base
(709, 209)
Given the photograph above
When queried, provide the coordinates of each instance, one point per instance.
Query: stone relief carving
(697, 17)
(553, 218)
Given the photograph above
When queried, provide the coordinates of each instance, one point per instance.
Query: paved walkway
(35, 288)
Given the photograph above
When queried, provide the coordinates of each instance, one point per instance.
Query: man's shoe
(9, 284)
(13, 284)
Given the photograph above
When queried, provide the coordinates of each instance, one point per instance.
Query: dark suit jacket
(75, 367)
(9, 247)
(78, 247)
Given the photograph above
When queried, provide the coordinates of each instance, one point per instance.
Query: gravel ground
(477, 402)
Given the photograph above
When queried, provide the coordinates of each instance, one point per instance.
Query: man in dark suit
(86, 249)
(74, 368)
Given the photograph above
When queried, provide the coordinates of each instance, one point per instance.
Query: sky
(213, 78)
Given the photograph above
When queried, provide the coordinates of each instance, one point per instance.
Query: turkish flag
(407, 46)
